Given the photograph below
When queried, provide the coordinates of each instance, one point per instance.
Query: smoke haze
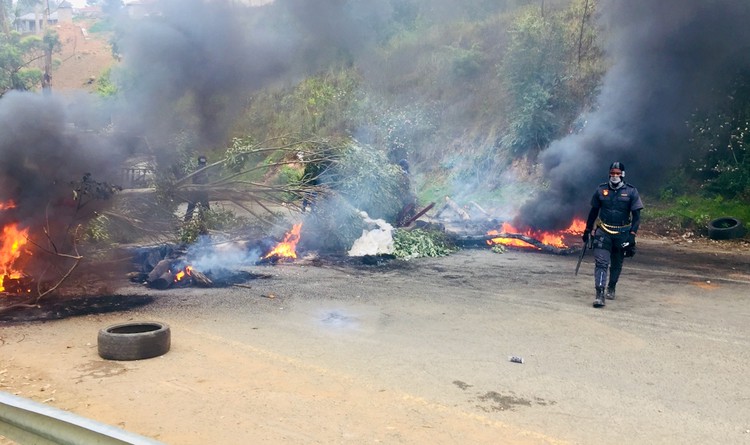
(670, 58)
(40, 157)
(186, 70)
(203, 58)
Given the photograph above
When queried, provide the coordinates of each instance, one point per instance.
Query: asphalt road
(326, 351)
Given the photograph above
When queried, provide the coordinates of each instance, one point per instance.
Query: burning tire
(134, 341)
(725, 228)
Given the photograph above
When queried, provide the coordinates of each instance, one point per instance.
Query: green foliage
(102, 26)
(720, 143)
(467, 63)
(320, 105)
(206, 220)
(366, 178)
(498, 248)
(104, 85)
(241, 152)
(403, 129)
(17, 53)
(552, 70)
(97, 230)
(692, 212)
(534, 69)
(418, 243)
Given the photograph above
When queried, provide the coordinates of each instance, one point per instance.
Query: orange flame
(554, 239)
(184, 273)
(13, 239)
(7, 205)
(287, 248)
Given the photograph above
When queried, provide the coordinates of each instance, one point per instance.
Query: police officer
(199, 197)
(618, 207)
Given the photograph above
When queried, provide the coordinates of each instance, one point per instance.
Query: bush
(419, 243)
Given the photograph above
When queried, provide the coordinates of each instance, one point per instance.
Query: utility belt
(614, 230)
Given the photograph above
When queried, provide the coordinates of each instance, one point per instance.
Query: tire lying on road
(725, 228)
(134, 341)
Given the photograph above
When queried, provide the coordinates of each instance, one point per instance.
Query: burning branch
(41, 293)
(517, 236)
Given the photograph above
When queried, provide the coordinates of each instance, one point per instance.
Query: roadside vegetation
(470, 94)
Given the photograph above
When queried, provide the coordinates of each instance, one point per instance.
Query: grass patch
(690, 212)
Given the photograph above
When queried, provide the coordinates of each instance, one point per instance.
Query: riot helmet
(616, 173)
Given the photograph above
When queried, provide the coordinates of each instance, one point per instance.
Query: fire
(184, 273)
(287, 248)
(7, 205)
(554, 239)
(13, 239)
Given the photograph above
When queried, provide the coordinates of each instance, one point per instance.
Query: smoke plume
(187, 69)
(670, 57)
(41, 157)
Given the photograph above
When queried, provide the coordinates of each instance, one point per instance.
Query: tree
(4, 6)
(534, 70)
(552, 69)
(720, 142)
(18, 54)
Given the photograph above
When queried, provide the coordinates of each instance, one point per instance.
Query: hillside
(83, 58)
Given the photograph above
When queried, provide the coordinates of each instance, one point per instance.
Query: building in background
(33, 22)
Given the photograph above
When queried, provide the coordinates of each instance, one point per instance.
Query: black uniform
(618, 210)
(199, 197)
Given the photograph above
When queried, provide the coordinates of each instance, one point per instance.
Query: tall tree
(18, 55)
(5, 6)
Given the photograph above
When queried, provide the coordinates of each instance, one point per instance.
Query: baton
(583, 252)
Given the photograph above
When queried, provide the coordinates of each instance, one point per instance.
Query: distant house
(90, 12)
(33, 22)
(137, 9)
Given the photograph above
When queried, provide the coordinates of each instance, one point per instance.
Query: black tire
(134, 341)
(725, 228)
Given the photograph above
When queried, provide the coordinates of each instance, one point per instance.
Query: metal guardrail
(30, 423)
(136, 177)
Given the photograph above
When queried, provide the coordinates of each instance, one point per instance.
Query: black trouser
(608, 254)
(199, 198)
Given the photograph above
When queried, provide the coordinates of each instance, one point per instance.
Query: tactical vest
(615, 206)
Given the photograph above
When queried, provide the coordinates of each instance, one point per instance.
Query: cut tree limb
(531, 241)
(450, 204)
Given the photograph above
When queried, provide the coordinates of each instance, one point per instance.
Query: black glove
(629, 246)
(585, 237)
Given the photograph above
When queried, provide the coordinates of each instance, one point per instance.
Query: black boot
(610, 293)
(599, 301)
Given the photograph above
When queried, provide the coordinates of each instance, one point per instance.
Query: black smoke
(192, 66)
(188, 68)
(670, 57)
(41, 159)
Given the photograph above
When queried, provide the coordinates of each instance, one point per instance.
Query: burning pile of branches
(472, 225)
(36, 261)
